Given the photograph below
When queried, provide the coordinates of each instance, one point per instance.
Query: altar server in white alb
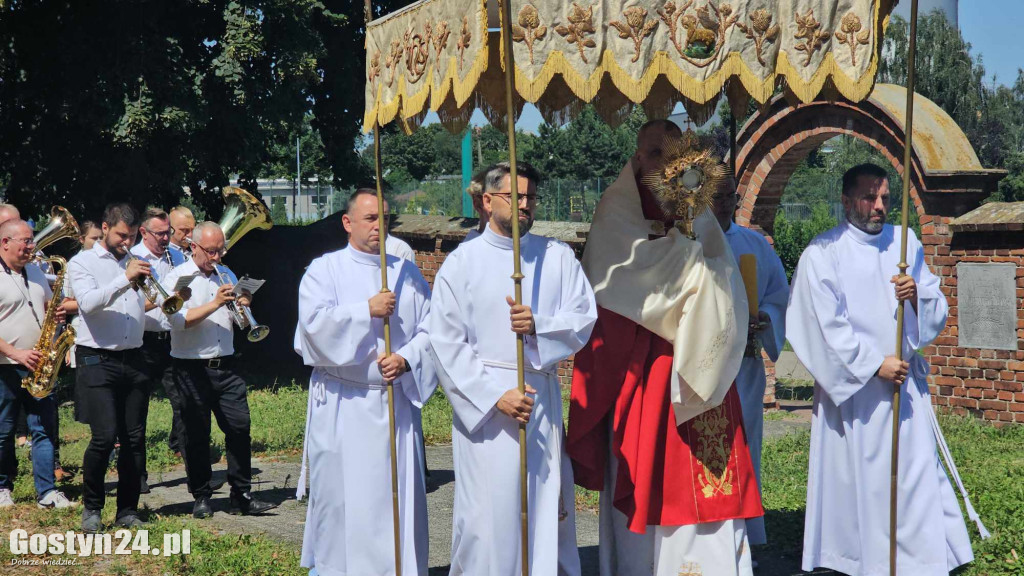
(349, 524)
(767, 330)
(473, 327)
(841, 323)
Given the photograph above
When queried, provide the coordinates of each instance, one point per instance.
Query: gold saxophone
(51, 345)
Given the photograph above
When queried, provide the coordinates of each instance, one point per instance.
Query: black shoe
(247, 505)
(144, 486)
(202, 508)
(129, 520)
(91, 521)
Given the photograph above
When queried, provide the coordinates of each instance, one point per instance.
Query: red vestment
(696, 473)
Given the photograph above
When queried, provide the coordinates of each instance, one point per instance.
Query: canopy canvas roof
(440, 55)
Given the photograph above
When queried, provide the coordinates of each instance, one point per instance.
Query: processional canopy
(439, 55)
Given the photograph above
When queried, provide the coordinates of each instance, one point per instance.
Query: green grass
(278, 421)
(789, 389)
(990, 460)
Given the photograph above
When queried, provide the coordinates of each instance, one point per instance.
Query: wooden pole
(907, 175)
(732, 146)
(382, 228)
(517, 274)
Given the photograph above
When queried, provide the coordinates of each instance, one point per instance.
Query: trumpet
(242, 315)
(154, 292)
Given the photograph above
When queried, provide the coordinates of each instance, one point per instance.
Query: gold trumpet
(153, 291)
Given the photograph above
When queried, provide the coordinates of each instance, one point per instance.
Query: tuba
(61, 225)
(243, 212)
(53, 344)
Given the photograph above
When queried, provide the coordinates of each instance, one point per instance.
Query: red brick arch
(774, 142)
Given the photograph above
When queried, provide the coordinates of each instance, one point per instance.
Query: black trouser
(114, 387)
(156, 353)
(202, 387)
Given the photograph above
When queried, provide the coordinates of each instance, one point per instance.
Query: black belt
(221, 363)
(158, 336)
(112, 354)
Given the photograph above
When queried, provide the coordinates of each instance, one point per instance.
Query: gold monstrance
(685, 183)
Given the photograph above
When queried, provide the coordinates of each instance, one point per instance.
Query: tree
(339, 100)
(113, 101)
(312, 157)
(947, 74)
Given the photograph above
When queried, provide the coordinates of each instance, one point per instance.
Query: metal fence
(561, 200)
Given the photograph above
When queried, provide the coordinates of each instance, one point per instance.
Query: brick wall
(988, 384)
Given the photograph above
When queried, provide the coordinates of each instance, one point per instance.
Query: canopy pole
(904, 215)
(517, 275)
(382, 230)
(732, 145)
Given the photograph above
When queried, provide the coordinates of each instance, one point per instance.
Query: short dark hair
(154, 212)
(85, 226)
(664, 123)
(852, 176)
(493, 175)
(364, 191)
(114, 214)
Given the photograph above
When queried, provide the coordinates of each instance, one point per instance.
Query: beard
(863, 222)
(506, 225)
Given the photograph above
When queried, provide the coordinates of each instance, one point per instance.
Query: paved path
(275, 480)
(789, 367)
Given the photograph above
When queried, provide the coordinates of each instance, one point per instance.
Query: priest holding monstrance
(655, 422)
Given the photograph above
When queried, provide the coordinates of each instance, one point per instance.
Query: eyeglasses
(507, 196)
(25, 241)
(166, 234)
(211, 253)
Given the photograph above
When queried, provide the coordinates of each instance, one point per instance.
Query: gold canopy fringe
(613, 91)
(408, 106)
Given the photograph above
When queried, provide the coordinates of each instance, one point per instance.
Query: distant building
(949, 7)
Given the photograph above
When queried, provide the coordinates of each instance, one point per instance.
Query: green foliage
(791, 237)
(120, 101)
(991, 116)
(278, 210)
(947, 73)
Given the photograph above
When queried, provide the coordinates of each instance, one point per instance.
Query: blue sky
(993, 28)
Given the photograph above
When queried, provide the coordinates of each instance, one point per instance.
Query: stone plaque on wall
(987, 305)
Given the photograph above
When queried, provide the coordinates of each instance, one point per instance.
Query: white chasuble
(687, 292)
(842, 324)
(349, 522)
(772, 296)
(475, 350)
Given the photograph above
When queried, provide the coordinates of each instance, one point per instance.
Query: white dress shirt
(112, 314)
(211, 338)
(160, 267)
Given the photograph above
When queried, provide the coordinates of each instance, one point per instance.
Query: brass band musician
(112, 377)
(24, 298)
(204, 379)
(156, 339)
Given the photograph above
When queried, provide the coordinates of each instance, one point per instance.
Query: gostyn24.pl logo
(122, 542)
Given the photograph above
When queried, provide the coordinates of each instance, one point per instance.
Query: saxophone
(52, 345)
